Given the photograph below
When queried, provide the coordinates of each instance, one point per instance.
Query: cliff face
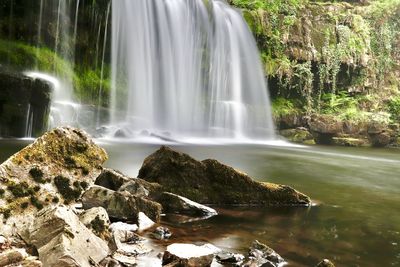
(24, 105)
(339, 60)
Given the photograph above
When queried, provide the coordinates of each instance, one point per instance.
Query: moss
(64, 188)
(98, 225)
(20, 190)
(24, 205)
(2, 192)
(6, 213)
(55, 200)
(35, 202)
(37, 175)
(84, 185)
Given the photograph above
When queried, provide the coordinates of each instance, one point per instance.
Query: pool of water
(356, 221)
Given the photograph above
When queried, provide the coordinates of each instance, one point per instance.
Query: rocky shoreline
(61, 207)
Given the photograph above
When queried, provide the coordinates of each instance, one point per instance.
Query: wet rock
(23, 100)
(173, 203)
(120, 205)
(162, 233)
(229, 258)
(298, 135)
(62, 240)
(212, 182)
(262, 255)
(56, 168)
(97, 220)
(189, 255)
(349, 141)
(325, 263)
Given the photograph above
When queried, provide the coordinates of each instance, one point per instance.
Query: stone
(173, 203)
(111, 179)
(23, 99)
(97, 220)
(298, 135)
(262, 255)
(56, 168)
(144, 222)
(381, 139)
(189, 255)
(324, 128)
(62, 240)
(349, 141)
(120, 205)
(211, 182)
(12, 256)
(225, 257)
(109, 262)
(325, 263)
(162, 233)
(121, 226)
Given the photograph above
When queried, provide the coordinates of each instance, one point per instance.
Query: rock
(262, 255)
(349, 141)
(173, 203)
(162, 233)
(189, 255)
(57, 167)
(144, 222)
(109, 262)
(111, 179)
(126, 261)
(121, 226)
(325, 263)
(381, 139)
(120, 205)
(229, 258)
(298, 135)
(62, 240)
(324, 128)
(117, 181)
(97, 220)
(23, 101)
(211, 182)
(12, 256)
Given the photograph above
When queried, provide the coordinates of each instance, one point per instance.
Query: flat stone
(189, 255)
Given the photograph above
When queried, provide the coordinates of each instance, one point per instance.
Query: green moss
(20, 189)
(98, 225)
(64, 188)
(84, 185)
(37, 175)
(35, 202)
(6, 213)
(24, 205)
(55, 200)
(2, 192)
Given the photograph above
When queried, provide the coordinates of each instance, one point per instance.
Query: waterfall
(186, 69)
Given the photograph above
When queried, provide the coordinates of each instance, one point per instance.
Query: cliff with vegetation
(333, 68)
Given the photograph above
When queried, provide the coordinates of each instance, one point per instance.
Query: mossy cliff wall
(340, 59)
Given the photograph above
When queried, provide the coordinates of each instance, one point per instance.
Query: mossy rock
(40, 175)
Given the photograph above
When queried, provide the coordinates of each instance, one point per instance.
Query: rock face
(57, 167)
(23, 101)
(173, 203)
(120, 205)
(324, 128)
(212, 182)
(62, 240)
(189, 255)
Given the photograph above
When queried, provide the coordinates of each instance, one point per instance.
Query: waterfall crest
(189, 68)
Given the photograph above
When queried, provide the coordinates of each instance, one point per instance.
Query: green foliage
(394, 108)
(282, 106)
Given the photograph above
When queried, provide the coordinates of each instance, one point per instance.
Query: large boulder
(24, 104)
(120, 205)
(57, 167)
(62, 240)
(212, 182)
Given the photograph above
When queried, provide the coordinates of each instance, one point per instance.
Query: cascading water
(189, 68)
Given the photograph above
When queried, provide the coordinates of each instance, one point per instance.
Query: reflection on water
(356, 224)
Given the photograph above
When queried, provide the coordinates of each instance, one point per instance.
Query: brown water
(357, 222)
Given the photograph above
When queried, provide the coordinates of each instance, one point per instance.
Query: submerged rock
(62, 240)
(212, 182)
(189, 255)
(229, 258)
(162, 233)
(262, 255)
(57, 167)
(173, 203)
(325, 263)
